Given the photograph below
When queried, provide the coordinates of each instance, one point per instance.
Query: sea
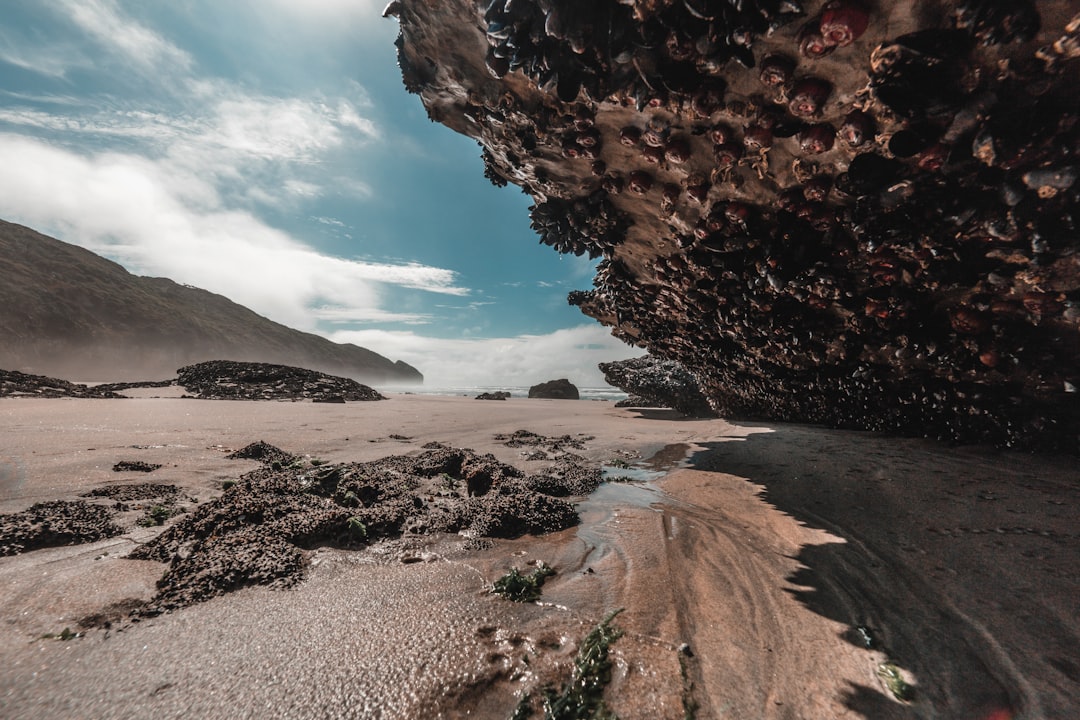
(587, 393)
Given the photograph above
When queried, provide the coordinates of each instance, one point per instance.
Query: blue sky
(266, 150)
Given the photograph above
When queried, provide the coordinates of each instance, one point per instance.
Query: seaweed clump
(523, 588)
(582, 698)
(260, 530)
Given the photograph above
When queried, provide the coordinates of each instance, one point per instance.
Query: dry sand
(790, 563)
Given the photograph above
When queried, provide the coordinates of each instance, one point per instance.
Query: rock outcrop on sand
(637, 401)
(228, 380)
(211, 380)
(68, 312)
(258, 532)
(17, 384)
(497, 395)
(660, 383)
(53, 523)
(852, 214)
(561, 389)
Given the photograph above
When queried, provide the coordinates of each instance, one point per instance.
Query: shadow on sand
(957, 565)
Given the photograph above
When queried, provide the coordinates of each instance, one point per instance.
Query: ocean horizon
(587, 393)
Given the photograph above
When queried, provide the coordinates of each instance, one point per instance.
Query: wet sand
(771, 575)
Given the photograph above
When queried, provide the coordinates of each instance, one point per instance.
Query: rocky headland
(853, 214)
(67, 312)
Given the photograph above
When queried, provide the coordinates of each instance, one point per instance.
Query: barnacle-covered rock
(863, 217)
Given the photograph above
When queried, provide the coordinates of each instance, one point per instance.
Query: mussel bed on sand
(258, 531)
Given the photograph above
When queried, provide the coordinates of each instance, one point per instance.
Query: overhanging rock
(856, 215)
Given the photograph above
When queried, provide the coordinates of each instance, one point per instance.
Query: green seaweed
(523, 710)
(64, 635)
(156, 515)
(522, 588)
(894, 680)
(357, 528)
(583, 697)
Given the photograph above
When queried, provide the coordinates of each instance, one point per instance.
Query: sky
(266, 150)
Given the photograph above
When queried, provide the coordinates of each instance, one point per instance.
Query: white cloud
(572, 353)
(368, 315)
(43, 62)
(157, 221)
(133, 42)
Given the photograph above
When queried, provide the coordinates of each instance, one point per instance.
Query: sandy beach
(774, 571)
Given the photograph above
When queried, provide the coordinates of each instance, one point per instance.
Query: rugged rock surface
(561, 389)
(53, 523)
(636, 401)
(661, 383)
(17, 384)
(66, 311)
(228, 380)
(497, 395)
(861, 215)
(130, 385)
(135, 466)
(257, 532)
(138, 491)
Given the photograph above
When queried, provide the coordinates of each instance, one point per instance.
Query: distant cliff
(67, 312)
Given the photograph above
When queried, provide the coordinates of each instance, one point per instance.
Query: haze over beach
(778, 419)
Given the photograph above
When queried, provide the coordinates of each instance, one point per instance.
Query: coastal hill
(845, 213)
(67, 312)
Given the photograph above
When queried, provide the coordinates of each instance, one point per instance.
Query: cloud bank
(155, 220)
(572, 353)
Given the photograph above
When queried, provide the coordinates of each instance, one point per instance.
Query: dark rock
(637, 401)
(497, 395)
(264, 452)
(565, 479)
(54, 523)
(561, 389)
(118, 386)
(138, 491)
(527, 438)
(135, 466)
(227, 380)
(663, 383)
(17, 384)
(259, 531)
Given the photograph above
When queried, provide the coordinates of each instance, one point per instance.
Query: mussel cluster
(998, 21)
(584, 226)
(607, 46)
(886, 239)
